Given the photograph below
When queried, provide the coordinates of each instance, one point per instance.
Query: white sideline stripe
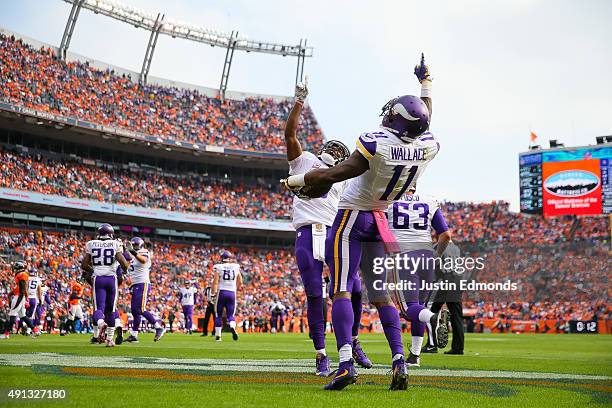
(279, 366)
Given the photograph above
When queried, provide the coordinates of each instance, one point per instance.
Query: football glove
(296, 190)
(301, 90)
(422, 71)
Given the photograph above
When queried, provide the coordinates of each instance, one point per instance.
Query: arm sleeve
(438, 222)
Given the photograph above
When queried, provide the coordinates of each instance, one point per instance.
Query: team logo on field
(571, 183)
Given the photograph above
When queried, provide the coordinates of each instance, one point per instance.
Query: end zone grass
(276, 370)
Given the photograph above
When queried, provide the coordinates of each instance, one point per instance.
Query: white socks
(417, 342)
(95, 331)
(398, 356)
(100, 322)
(322, 351)
(158, 325)
(232, 325)
(134, 333)
(110, 331)
(218, 331)
(345, 352)
(118, 323)
(425, 315)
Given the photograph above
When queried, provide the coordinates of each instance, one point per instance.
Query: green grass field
(276, 370)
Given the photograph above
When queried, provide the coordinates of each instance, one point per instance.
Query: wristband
(296, 181)
(426, 88)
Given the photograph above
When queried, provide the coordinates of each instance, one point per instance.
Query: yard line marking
(279, 366)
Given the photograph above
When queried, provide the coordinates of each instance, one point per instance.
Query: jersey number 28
(102, 256)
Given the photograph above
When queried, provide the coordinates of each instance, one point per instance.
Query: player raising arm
(385, 165)
(312, 219)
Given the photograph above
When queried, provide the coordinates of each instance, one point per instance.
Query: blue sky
(501, 69)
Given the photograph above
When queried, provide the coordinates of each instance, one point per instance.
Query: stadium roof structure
(158, 24)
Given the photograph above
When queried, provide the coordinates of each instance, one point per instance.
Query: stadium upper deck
(34, 81)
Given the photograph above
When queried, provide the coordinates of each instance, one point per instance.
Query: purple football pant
(311, 273)
(105, 293)
(343, 249)
(31, 310)
(188, 313)
(420, 268)
(39, 312)
(140, 295)
(226, 300)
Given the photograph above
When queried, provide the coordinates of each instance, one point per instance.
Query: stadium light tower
(159, 25)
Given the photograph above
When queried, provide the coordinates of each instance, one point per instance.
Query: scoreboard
(575, 181)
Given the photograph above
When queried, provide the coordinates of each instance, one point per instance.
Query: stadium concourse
(557, 261)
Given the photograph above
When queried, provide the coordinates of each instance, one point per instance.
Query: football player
(312, 219)
(102, 255)
(226, 282)
(187, 297)
(385, 165)
(75, 311)
(412, 220)
(19, 299)
(35, 296)
(139, 273)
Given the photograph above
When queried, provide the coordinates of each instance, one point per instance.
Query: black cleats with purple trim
(399, 381)
(132, 339)
(346, 375)
(360, 356)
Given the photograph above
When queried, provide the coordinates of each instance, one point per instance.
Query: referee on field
(210, 310)
(452, 298)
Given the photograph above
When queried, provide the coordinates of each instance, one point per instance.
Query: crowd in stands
(561, 282)
(269, 275)
(38, 79)
(186, 192)
(264, 200)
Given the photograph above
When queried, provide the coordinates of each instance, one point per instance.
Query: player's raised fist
(301, 90)
(422, 70)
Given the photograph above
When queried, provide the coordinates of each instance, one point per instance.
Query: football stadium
(272, 238)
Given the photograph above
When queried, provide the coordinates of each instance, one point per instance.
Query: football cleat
(110, 343)
(159, 333)
(323, 369)
(346, 375)
(428, 349)
(102, 333)
(455, 352)
(234, 334)
(360, 356)
(119, 337)
(132, 339)
(217, 338)
(439, 328)
(413, 360)
(93, 340)
(399, 381)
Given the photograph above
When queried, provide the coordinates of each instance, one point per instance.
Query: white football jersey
(410, 220)
(395, 166)
(103, 255)
(228, 273)
(139, 272)
(33, 285)
(188, 295)
(316, 210)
